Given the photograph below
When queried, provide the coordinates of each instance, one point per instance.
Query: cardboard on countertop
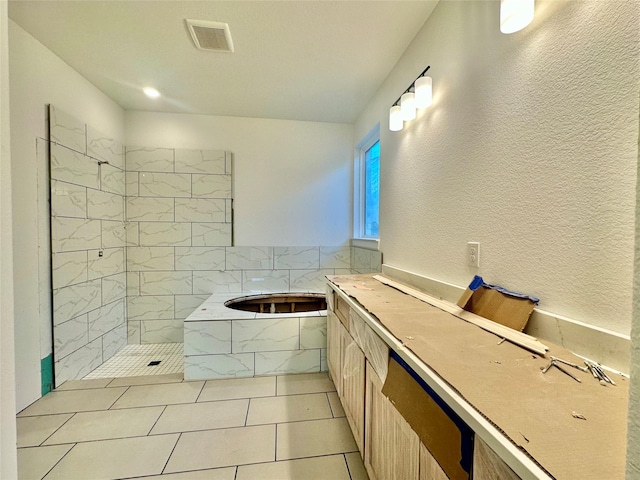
(504, 383)
(513, 312)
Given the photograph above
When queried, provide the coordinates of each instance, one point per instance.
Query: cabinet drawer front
(377, 352)
(342, 311)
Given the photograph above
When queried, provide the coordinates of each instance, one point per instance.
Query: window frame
(359, 189)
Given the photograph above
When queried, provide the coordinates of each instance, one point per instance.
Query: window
(367, 191)
(372, 190)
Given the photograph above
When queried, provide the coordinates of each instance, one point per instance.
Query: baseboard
(604, 346)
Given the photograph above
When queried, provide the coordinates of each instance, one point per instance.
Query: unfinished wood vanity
(429, 396)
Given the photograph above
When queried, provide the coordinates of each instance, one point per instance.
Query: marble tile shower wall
(88, 246)
(179, 223)
(179, 237)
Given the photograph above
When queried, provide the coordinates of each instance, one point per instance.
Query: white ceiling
(298, 60)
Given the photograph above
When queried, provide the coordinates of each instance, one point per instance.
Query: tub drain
(154, 363)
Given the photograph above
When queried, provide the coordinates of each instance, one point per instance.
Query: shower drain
(154, 363)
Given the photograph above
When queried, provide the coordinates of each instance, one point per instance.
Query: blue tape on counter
(478, 282)
(466, 434)
(510, 293)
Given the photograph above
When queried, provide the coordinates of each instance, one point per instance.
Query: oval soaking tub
(279, 303)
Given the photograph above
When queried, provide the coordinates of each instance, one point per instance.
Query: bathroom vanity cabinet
(431, 397)
(358, 361)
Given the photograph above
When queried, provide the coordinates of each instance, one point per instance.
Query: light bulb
(515, 14)
(395, 119)
(424, 92)
(408, 106)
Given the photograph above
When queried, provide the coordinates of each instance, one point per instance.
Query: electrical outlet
(473, 254)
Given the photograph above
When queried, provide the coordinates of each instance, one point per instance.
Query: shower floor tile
(134, 360)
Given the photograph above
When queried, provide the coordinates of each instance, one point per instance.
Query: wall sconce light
(424, 92)
(515, 14)
(404, 108)
(408, 106)
(395, 119)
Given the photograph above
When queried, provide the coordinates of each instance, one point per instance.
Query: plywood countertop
(536, 412)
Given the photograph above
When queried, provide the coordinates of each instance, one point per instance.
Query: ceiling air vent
(214, 36)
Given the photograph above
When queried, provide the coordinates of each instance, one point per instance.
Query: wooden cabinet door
(353, 385)
(487, 465)
(334, 338)
(392, 448)
(429, 468)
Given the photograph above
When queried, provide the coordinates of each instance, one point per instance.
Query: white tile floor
(133, 361)
(268, 428)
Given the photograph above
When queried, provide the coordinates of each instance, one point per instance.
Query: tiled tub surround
(87, 245)
(166, 283)
(220, 342)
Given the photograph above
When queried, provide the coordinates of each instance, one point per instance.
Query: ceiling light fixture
(515, 15)
(404, 108)
(151, 92)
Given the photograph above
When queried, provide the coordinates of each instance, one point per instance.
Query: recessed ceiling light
(151, 92)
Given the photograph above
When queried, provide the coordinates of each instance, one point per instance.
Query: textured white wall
(530, 148)
(633, 439)
(37, 78)
(292, 180)
(8, 465)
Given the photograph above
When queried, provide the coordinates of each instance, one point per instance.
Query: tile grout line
(58, 462)
(325, 455)
(171, 454)
(119, 397)
(330, 407)
(56, 430)
(344, 455)
(157, 420)
(275, 443)
(204, 383)
(110, 439)
(246, 417)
